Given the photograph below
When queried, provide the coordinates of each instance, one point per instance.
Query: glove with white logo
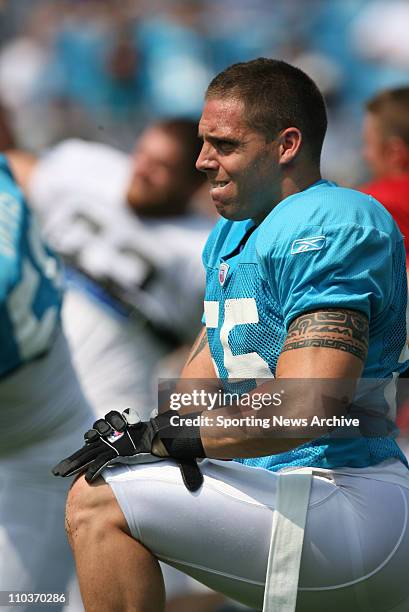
(113, 440)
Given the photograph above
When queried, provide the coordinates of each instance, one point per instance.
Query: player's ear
(397, 151)
(289, 143)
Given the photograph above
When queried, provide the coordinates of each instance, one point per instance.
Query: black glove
(112, 440)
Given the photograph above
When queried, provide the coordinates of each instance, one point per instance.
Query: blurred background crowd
(103, 69)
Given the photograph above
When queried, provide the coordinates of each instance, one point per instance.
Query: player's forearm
(225, 447)
(276, 417)
(227, 433)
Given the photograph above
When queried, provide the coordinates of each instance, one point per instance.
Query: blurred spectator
(92, 77)
(237, 30)
(101, 69)
(386, 151)
(389, 20)
(23, 59)
(173, 49)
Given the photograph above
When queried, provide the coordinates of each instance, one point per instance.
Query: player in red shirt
(386, 151)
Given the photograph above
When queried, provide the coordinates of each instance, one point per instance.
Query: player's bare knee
(91, 511)
(77, 508)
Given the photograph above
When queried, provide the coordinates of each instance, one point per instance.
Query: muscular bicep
(330, 343)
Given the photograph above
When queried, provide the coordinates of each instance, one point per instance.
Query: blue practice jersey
(30, 287)
(326, 247)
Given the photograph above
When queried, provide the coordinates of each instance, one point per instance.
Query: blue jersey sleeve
(348, 266)
(12, 221)
(30, 285)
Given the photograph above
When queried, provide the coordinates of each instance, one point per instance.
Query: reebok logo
(302, 245)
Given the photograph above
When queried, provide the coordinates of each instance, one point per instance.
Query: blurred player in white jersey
(41, 405)
(134, 246)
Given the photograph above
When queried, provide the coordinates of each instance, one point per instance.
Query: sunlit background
(101, 69)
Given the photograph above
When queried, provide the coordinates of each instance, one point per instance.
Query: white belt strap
(287, 535)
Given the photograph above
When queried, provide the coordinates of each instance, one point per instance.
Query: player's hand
(111, 440)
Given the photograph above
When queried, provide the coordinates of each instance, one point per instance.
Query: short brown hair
(276, 95)
(391, 106)
(184, 130)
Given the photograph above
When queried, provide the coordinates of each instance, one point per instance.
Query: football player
(305, 280)
(41, 406)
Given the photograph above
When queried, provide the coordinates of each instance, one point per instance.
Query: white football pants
(356, 543)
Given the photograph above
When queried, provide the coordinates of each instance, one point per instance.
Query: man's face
(159, 182)
(375, 149)
(240, 164)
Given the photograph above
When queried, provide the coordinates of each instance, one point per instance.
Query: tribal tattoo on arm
(341, 329)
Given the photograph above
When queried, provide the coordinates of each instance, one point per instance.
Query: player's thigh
(219, 535)
(211, 534)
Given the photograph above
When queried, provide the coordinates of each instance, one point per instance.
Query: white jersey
(152, 266)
